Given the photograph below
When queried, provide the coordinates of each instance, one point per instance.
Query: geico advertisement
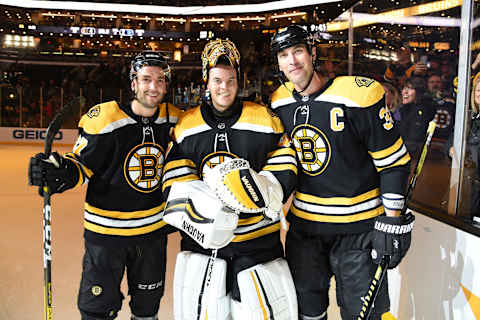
(36, 135)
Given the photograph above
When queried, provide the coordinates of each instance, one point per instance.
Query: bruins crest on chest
(312, 148)
(143, 167)
(213, 159)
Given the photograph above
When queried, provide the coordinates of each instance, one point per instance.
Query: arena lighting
(48, 14)
(287, 15)
(258, 18)
(393, 15)
(201, 20)
(99, 16)
(420, 21)
(162, 19)
(168, 10)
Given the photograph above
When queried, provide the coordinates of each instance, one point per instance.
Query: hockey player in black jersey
(245, 276)
(120, 152)
(352, 172)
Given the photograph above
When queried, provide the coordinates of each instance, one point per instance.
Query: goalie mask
(216, 49)
(290, 36)
(149, 58)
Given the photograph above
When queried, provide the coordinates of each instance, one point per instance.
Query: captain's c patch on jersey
(312, 147)
(143, 167)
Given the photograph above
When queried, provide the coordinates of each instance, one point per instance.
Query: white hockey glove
(244, 190)
(193, 208)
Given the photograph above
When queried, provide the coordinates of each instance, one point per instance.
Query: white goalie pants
(267, 290)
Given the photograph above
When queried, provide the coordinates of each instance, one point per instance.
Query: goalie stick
(52, 130)
(381, 272)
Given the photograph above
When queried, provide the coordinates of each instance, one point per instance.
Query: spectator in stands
(474, 144)
(444, 107)
(473, 149)
(178, 95)
(392, 99)
(434, 87)
(398, 71)
(416, 111)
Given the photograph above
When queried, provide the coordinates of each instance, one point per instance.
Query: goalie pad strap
(190, 291)
(267, 292)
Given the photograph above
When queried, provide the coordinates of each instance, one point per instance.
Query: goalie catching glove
(193, 208)
(55, 172)
(392, 237)
(244, 190)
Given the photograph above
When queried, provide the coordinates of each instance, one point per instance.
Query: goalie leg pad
(193, 208)
(267, 292)
(192, 296)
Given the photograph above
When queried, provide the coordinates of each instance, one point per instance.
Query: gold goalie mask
(214, 50)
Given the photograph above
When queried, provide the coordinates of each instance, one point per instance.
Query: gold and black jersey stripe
(352, 162)
(253, 132)
(121, 156)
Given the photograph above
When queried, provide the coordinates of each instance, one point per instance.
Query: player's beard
(147, 100)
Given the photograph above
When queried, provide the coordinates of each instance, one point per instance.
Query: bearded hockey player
(352, 174)
(236, 148)
(120, 152)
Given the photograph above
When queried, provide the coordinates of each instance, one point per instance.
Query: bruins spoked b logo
(143, 167)
(312, 147)
(213, 159)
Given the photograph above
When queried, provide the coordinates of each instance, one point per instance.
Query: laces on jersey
(221, 137)
(304, 110)
(148, 134)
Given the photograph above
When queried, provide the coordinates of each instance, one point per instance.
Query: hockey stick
(52, 131)
(380, 273)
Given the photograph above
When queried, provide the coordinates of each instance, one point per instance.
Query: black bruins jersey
(351, 158)
(122, 155)
(252, 132)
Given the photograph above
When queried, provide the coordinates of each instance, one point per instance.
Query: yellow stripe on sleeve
(400, 162)
(388, 151)
(169, 182)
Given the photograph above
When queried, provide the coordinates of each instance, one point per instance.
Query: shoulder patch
(363, 82)
(103, 118)
(353, 91)
(94, 111)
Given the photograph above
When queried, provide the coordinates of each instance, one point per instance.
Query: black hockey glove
(58, 173)
(392, 237)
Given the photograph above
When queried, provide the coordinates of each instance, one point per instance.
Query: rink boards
(439, 278)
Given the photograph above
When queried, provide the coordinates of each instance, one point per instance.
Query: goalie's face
(150, 87)
(223, 86)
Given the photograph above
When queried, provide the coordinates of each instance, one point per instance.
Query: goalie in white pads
(249, 279)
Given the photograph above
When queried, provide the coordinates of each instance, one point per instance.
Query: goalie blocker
(244, 190)
(266, 290)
